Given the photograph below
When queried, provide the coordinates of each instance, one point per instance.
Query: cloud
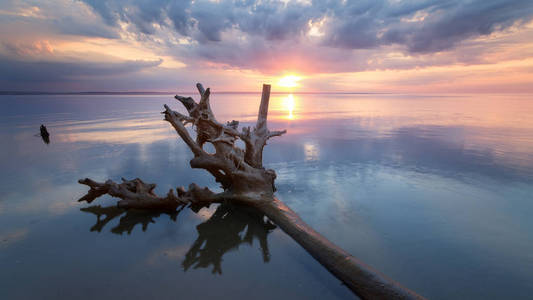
(48, 74)
(247, 33)
(54, 16)
(268, 36)
(442, 29)
(49, 71)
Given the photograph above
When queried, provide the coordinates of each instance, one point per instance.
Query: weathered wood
(362, 279)
(245, 181)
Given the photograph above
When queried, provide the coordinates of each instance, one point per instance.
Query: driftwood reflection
(228, 228)
(127, 222)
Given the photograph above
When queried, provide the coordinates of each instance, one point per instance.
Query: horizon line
(133, 93)
(173, 93)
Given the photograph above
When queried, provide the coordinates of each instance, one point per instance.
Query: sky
(391, 46)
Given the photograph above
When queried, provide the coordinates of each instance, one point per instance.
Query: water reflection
(288, 105)
(141, 130)
(130, 219)
(439, 184)
(311, 151)
(228, 227)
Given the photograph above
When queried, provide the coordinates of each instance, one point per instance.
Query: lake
(435, 191)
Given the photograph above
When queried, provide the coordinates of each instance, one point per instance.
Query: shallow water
(434, 191)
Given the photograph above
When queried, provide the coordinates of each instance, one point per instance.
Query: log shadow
(229, 227)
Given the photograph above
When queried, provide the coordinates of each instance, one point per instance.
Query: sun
(289, 81)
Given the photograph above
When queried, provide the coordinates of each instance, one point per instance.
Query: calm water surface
(434, 191)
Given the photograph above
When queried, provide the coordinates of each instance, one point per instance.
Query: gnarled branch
(244, 180)
(137, 194)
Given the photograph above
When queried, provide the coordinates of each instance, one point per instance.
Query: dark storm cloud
(268, 36)
(417, 26)
(275, 20)
(141, 13)
(206, 20)
(421, 26)
(353, 24)
(446, 25)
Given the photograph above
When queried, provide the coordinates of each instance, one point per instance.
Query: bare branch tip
(200, 88)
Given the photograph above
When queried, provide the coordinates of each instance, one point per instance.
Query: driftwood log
(244, 181)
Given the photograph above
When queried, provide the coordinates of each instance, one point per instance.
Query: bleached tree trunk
(245, 181)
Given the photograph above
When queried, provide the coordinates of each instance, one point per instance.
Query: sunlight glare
(288, 104)
(289, 81)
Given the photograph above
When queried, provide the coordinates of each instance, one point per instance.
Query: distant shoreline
(15, 93)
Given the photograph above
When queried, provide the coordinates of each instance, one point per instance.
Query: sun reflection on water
(288, 105)
(311, 151)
